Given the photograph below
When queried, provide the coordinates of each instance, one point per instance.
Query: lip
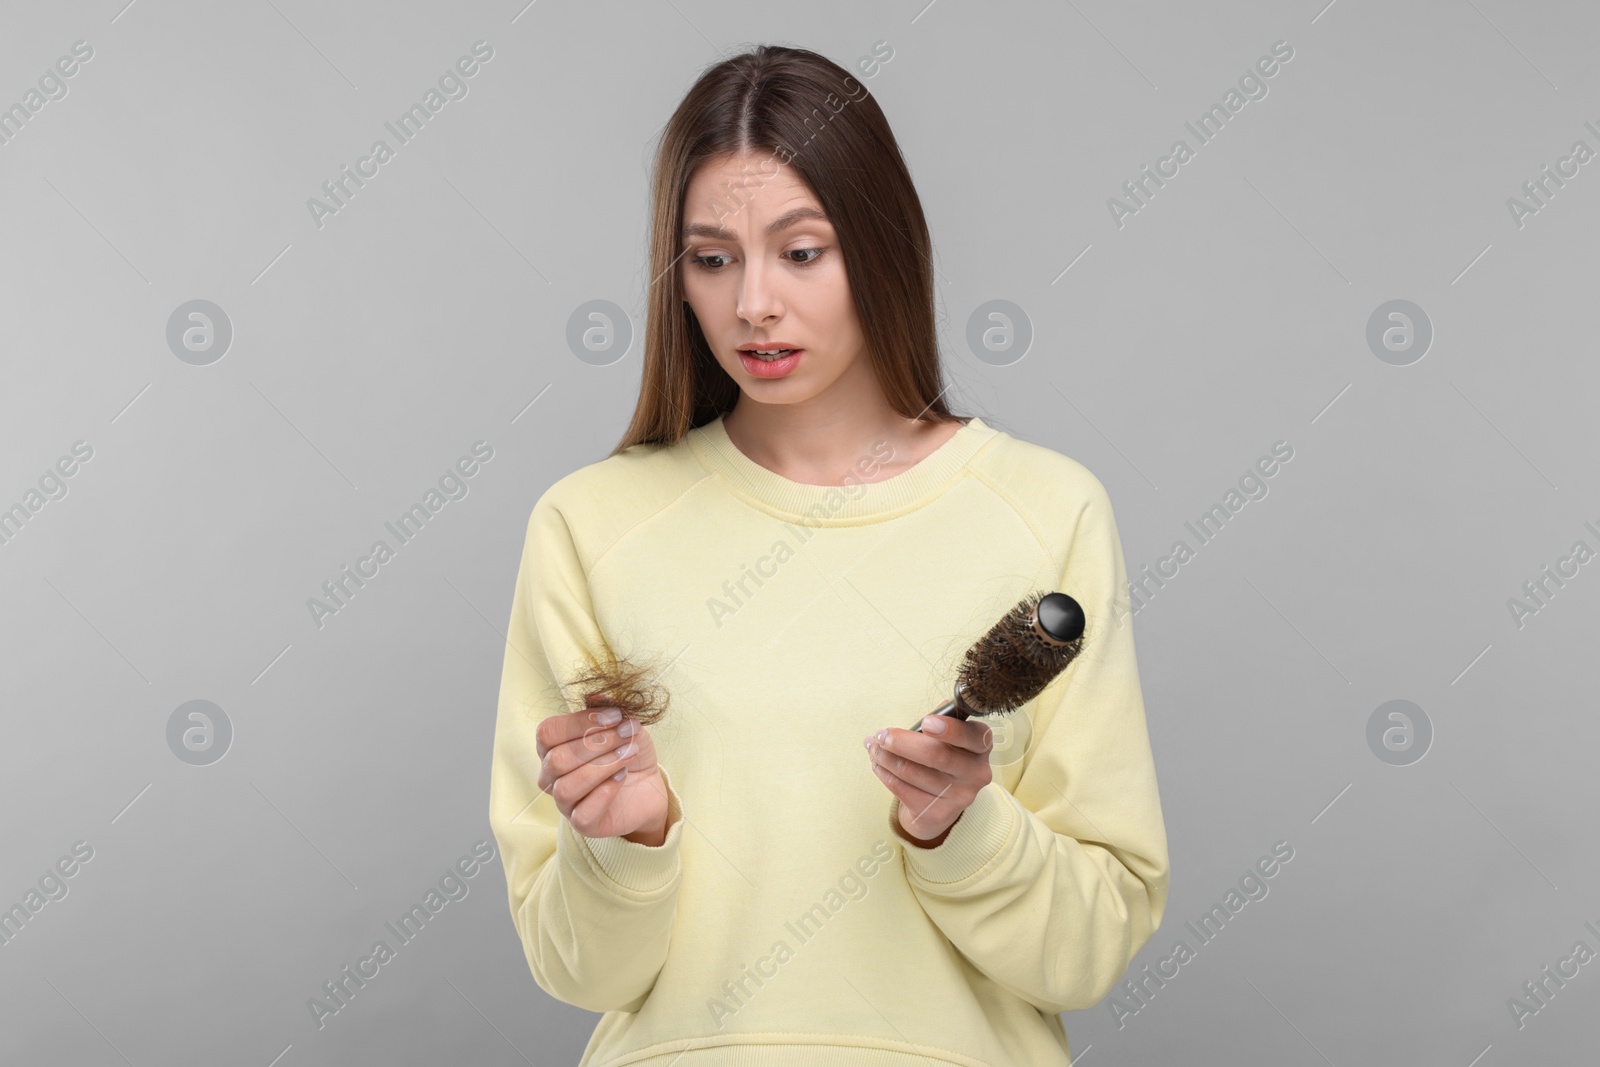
(767, 346)
(757, 367)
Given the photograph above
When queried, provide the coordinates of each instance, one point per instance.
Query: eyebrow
(782, 222)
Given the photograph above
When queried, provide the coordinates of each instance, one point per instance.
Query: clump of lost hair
(610, 682)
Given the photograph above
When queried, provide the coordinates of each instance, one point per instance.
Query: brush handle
(953, 708)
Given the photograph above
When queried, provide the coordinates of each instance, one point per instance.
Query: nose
(758, 298)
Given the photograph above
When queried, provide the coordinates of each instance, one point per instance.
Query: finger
(596, 741)
(572, 789)
(921, 804)
(557, 730)
(591, 811)
(974, 735)
(587, 814)
(931, 751)
(909, 769)
(895, 784)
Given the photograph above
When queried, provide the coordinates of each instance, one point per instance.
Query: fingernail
(933, 724)
(883, 738)
(629, 728)
(866, 742)
(620, 775)
(627, 750)
(607, 717)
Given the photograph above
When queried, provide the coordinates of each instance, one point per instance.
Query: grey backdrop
(1443, 849)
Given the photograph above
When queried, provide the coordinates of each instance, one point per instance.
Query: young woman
(792, 548)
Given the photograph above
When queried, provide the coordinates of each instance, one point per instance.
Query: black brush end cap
(1061, 617)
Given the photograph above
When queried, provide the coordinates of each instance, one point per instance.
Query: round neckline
(838, 505)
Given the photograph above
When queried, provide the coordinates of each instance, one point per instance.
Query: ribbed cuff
(975, 839)
(632, 866)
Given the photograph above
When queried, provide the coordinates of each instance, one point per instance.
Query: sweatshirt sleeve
(594, 914)
(1051, 889)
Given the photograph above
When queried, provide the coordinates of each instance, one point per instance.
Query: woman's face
(762, 268)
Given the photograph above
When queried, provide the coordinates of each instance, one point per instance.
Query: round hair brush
(1020, 655)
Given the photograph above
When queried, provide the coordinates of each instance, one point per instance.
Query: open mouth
(770, 362)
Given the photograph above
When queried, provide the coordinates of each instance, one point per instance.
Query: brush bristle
(1012, 663)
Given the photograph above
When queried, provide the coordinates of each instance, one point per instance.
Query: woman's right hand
(580, 753)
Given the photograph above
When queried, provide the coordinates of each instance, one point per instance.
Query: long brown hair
(806, 112)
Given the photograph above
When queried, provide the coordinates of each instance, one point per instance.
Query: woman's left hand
(936, 774)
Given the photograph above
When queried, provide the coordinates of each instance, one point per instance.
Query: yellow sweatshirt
(783, 921)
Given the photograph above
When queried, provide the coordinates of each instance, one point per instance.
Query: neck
(824, 446)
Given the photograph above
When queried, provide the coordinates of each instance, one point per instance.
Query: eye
(816, 254)
(703, 262)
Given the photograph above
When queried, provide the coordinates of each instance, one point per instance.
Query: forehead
(744, 191)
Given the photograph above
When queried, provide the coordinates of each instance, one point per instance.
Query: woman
(798, 546)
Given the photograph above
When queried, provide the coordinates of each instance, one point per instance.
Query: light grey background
(431, 312)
